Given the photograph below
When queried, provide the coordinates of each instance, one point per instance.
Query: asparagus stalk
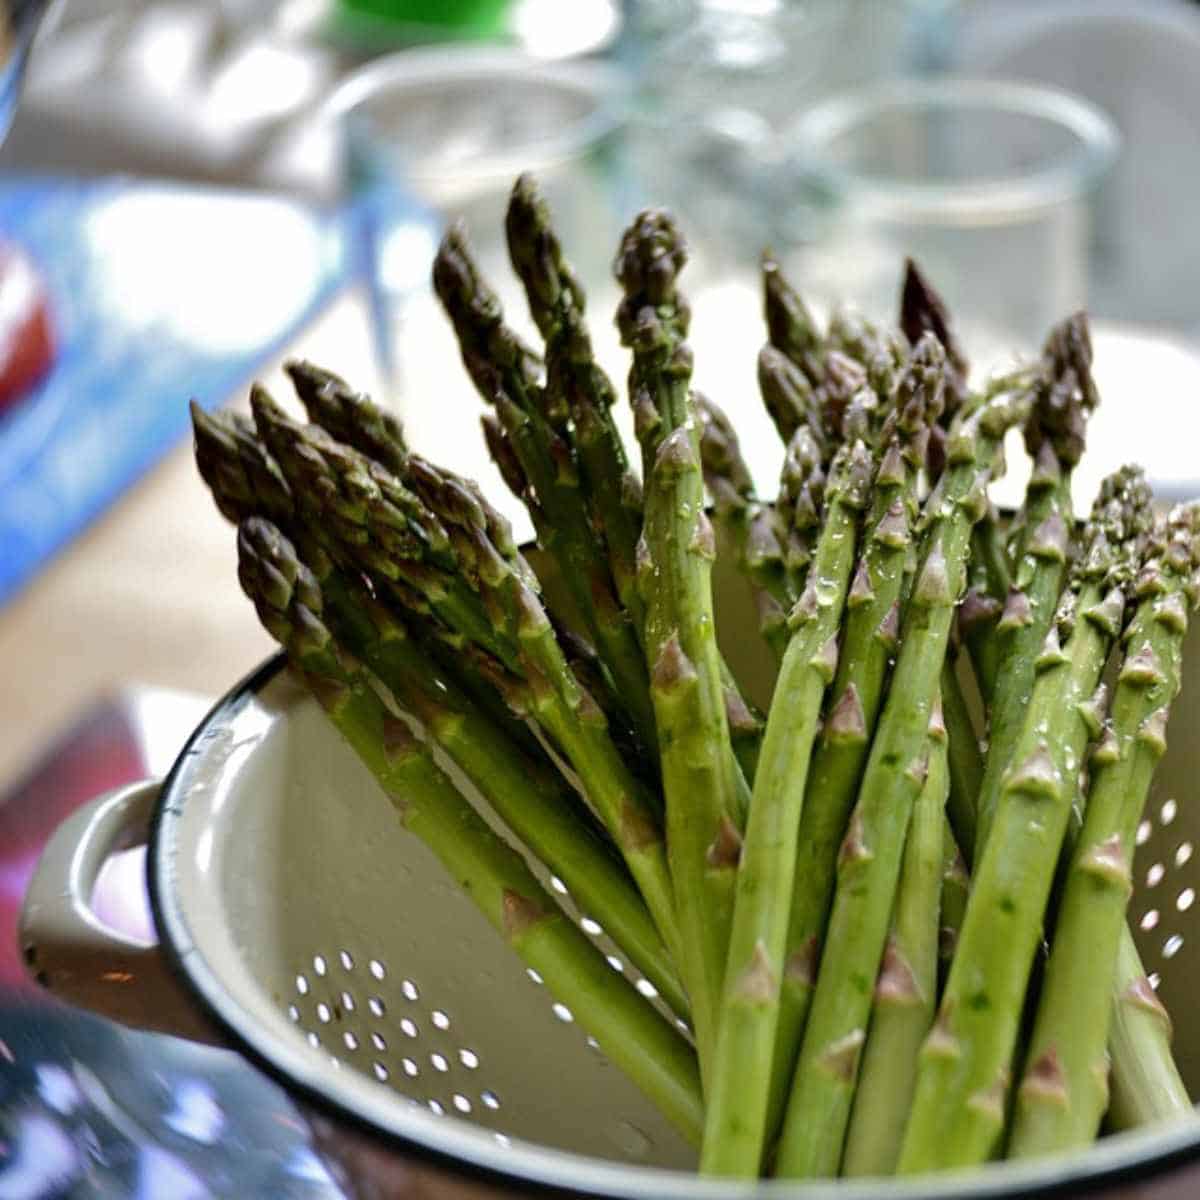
(505, 374)
(246, 481)
(349, 416)
(1146, 1086)
(923, 311)
(533, 800)
(632, 1034)
(525, 791)
(578, 387)
(965, 761)
(870, 857)
(868, 648)
(959, 1106)
(740, 1078)
(480, 586)
(1064, 1090)
(1054, 436)
(578, 390)
(699, 772)
(791, 328)
(788, 396)
(956, 886)
(906, 988)
(747, 527)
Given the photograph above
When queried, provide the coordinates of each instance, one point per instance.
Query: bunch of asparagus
(872, 909)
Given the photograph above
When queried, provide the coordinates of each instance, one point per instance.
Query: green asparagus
(963, 1084)
(870, 857)
(1064, 1090)
(677, 550)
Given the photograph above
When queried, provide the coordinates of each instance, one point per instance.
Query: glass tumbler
(988, 185)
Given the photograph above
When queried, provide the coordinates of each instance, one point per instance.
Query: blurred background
(191, 191)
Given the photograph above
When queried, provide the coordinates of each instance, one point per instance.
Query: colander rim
(453, 1144)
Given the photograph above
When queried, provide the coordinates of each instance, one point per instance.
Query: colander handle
(71, 952)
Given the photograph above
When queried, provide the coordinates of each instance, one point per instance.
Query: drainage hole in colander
(490, 1100)
(1185, 899)
(313, 1040)
(1155, 874)
(1154, 979)
(469, 1059)
(346, 960)
(319, 965)
(379, 1042)
(562, 1012)
(615, 963)
(350, 1040)
(293, 1012)
(377, 1006)
(461, 1102)
(409, 989)
(439, 1062)
(440, 1019)
(410, 1068)
(347, 1002)
(1143, 834)
(590, 926)
(381, 1072)
(376, 968)
(533, 975)
(324, 1014)
(1183, 854)
(1172, 946)
(436, 1109)
(646, 988)
(1149, 919)
(408, 1028)
(1168, 812)
(302, 985)
(558, 885)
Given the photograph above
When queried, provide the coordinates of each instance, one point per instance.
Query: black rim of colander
(455, 1145)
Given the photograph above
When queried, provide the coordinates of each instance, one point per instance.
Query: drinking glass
(989, 186)
(438, 135)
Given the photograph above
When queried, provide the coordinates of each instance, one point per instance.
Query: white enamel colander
(298, 923)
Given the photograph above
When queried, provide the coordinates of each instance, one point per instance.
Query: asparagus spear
(577, 386)
(632, 1034)
(868, 647)
(246, 481)
(959, 1106)
(923, 311)
(1054, 436)
(699, 772)
(956, 886)
(869, 859)
(351, 417)
(965, 760)
(578, 390)
(790, 326)
(788, 396)
(749, 528)
(740, 1077)
(505, 373)
(480, 586)
(525, 791)
(534, 801)
(906, 989)
(1064, 1091)
(1146, 1086)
